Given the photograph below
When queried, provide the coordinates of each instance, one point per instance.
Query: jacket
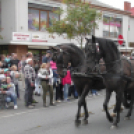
(43, 73)
(67, 79)
(53, 65)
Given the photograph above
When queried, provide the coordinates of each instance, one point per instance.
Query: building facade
(23, 24)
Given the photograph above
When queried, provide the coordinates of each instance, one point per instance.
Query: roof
(99, 3)
(132, 11)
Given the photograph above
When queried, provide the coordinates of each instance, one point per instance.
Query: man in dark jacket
(47, 57)
(14, 61)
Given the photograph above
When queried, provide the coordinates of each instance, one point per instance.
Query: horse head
(92, 53)
(108, 50)
(62, 58)
(68, 53)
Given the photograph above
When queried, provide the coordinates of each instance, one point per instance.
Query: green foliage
(79, 21)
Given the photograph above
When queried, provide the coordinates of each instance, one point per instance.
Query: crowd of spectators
(36, 79)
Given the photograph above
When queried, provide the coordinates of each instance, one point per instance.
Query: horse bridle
(74, 69)
(97, 65)
(80, 65)
(62, 52)
(93, 51)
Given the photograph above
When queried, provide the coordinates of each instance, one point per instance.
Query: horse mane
(108, 44)
(77, 49)
(74, 47)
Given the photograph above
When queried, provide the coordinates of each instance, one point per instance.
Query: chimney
(127, 6)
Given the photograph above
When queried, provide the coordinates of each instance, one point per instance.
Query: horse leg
(114, 112)
(131, 109)
(125, 103)
(82, 102)
(85, 121)
(77, 121)
(119, 96)
(105, 105)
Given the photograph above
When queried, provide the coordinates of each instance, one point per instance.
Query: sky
(117, 3)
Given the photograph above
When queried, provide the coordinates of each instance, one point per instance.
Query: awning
(45, 3)
(33, 43)
(129, 49)
(38, 47)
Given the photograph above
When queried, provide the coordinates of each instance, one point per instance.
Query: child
(15, 76)
(66, 82)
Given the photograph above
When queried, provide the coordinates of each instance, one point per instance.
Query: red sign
(120, 39)
(18, 36)
(38, 40)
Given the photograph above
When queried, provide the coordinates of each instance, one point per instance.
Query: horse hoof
(84, 122)
(77, 122)
(113, 114)
(127, 118)
(113, 127)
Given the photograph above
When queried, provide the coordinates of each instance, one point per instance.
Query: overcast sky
(117, 3)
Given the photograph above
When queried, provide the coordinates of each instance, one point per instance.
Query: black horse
(119, 76)
(65, 53)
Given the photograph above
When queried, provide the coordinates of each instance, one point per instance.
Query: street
(60, 119)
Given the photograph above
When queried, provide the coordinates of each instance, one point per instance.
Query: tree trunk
(81, 42)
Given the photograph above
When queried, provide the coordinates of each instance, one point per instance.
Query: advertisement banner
(17, 36)
(39, 38)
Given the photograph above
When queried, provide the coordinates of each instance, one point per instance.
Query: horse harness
(90, 73)
(121, 74)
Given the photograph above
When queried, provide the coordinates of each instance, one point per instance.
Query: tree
(79, 21)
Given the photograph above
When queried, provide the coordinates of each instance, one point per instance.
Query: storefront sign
(39, 38)
(21, 36)
(52, 36)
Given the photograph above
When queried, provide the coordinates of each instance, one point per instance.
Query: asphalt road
(60, 120)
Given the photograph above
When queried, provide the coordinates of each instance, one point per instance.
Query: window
(33, 19)
(43, 20)
(112, 26)
(39, 20)
(52, 16)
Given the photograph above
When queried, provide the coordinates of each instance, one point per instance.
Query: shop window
(53, 16)
(43, 20)
(39, 20)
(112, 27)
(33, 20)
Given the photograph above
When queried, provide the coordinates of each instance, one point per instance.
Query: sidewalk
(21, 104)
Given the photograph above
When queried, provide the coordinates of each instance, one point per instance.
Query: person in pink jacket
(66, 82)
(56, 82)
(53, 65)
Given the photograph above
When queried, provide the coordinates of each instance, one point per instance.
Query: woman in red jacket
(66, 82)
